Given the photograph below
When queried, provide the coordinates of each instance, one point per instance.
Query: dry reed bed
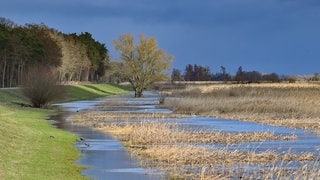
(305, 172)
(160, 133)
(175, 150)
(290, 105)
(104, 116)
(200, 156)
(167, 147)
(146, 131)
(197, 162)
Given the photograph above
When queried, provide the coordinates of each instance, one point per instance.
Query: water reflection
(104, 157)
(107, 158)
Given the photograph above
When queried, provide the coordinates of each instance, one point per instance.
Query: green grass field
(82, 92)
(30, 148)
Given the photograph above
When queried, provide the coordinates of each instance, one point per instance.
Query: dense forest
(74, 57)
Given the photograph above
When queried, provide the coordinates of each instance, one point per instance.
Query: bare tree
(145, 63)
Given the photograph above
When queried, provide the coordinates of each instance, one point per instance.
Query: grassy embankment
(30, 148)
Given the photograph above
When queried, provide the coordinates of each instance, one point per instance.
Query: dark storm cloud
(253, 33)
(190, 12)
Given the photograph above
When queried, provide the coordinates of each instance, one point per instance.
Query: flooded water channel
(306, 141)
(104, 157)
(107, 159)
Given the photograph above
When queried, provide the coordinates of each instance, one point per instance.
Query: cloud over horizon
(271, 36)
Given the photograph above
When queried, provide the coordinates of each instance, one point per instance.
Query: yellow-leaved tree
(145, 63)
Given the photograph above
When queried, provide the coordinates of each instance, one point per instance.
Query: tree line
(84, 58)
(74, 57)
(203, 73)
(39, 58)
(79, 57)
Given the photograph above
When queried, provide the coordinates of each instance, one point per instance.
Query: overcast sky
(281, 36)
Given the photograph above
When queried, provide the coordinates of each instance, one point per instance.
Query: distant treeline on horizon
(203, 73)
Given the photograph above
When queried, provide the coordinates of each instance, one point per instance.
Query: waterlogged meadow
(281, 104)
(195, 146)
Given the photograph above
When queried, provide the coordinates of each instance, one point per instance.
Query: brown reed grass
(146, 132)
(290, 105)
(195, 155)
(129, 116)
(167, 147)
(182, 153)
(189, 159)
(156, 133)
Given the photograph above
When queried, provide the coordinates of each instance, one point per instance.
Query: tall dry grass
(150, 129)
(199, 162)
(187, 154)
(291, 105)
(168, 147)
(144, 134)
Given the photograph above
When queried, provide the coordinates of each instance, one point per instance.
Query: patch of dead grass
(289, 105)
(167, 147)
(128, 116)
(200, 156)
(145, 132)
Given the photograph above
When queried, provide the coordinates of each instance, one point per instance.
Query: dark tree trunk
(4, 72)
(11, 76)
(138, 93)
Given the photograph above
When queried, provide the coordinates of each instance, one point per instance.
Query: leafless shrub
(41, 86)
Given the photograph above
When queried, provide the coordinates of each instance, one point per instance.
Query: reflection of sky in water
(145, 104)
(103, 155)
(78, 105)
(307, 142)
(100, 145)
(143, 101)
(234, 126)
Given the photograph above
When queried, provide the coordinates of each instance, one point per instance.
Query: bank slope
(30, 148)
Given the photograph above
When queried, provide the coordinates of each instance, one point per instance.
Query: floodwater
(106, 158)
(306, 141)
